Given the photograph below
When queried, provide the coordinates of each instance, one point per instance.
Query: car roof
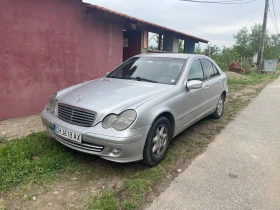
(170, 55)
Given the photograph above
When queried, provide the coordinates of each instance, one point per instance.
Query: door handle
(206, 87)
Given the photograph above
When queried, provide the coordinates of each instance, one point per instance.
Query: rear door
(213, 84)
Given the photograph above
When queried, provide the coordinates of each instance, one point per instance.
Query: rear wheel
(220, 108)
(157, 142)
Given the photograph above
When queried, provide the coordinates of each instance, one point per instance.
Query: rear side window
(217, 73)
(196, 72)
(208, 68)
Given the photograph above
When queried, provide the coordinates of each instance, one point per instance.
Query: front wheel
(220, 108)
(157, 142)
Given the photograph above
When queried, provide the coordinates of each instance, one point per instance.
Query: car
(133, 112)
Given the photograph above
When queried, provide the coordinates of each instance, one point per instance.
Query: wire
(275, 17)
(220, 2)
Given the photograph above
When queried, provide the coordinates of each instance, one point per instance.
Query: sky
(214, 22)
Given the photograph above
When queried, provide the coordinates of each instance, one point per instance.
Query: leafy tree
(197, 49)
(181, 46)
(247, 42)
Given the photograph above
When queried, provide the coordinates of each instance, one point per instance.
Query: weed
(190, 154)
(106, 201)
(129, 205)
(200, 143)
(27, 197)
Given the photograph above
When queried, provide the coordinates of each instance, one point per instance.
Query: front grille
(75, 115)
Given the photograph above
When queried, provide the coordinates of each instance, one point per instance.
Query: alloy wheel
(160, 141)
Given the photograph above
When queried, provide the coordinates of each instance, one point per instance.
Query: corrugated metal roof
(145, 22)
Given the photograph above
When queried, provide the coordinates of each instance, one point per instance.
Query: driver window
(196, 72)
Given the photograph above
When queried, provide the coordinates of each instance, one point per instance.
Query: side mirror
(194, 84)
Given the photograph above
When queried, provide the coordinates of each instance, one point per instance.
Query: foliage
(197, 49)
(181, 46)
(246, 45)
(247, 42)
(155, 38)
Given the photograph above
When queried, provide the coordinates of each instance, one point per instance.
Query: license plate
(77, 137)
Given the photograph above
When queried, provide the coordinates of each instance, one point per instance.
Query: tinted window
(207, 68)
(150, 69)
(196, 72)
(216, 71)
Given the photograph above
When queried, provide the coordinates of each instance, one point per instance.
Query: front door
(192, 101)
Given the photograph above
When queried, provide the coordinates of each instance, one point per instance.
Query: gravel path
(240, 169)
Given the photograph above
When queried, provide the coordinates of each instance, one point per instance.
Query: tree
(247, 42)
(197, 49)
(181, 46)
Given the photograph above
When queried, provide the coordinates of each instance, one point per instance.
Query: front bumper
(99, 141)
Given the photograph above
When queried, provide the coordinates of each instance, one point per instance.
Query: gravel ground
(240, 169)
(19, 127)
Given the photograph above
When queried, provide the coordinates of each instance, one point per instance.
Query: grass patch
(2, 140)
(190, 154)
(137, 186)
(106, 201)
(32, 159)
(251, 79)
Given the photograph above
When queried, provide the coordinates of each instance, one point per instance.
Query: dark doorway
(132, 43)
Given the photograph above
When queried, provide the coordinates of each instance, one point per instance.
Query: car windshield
(150, 69)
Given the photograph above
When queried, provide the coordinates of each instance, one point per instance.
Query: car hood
(106, 95)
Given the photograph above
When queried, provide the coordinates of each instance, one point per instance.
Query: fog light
(116, 151)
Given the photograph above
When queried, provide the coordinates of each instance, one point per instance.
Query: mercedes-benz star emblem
(79, 98)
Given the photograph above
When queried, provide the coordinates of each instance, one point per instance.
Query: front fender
(147, 118)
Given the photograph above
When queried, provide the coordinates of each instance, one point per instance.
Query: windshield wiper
(140, 79)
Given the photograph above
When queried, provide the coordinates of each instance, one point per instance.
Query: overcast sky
(214, 22)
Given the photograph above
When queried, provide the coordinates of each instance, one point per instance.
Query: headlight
(119, 122)
(52, 103)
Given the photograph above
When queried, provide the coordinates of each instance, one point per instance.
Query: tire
(220, 108)
(157, 142)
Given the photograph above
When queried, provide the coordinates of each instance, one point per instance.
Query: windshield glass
(150, 69)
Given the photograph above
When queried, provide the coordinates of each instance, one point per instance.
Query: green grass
(106, 201)
(33, 159)
(2, 140)
(252, 79)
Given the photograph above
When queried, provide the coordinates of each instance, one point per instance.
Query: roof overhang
(130, 23)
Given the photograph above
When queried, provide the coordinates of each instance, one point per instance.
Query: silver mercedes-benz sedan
(134, 111)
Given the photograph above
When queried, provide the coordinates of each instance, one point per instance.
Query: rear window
(207, 68)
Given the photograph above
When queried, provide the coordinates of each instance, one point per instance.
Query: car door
(192, 104)
(213, 84)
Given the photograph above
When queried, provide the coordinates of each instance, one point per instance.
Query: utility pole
(260, 57)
